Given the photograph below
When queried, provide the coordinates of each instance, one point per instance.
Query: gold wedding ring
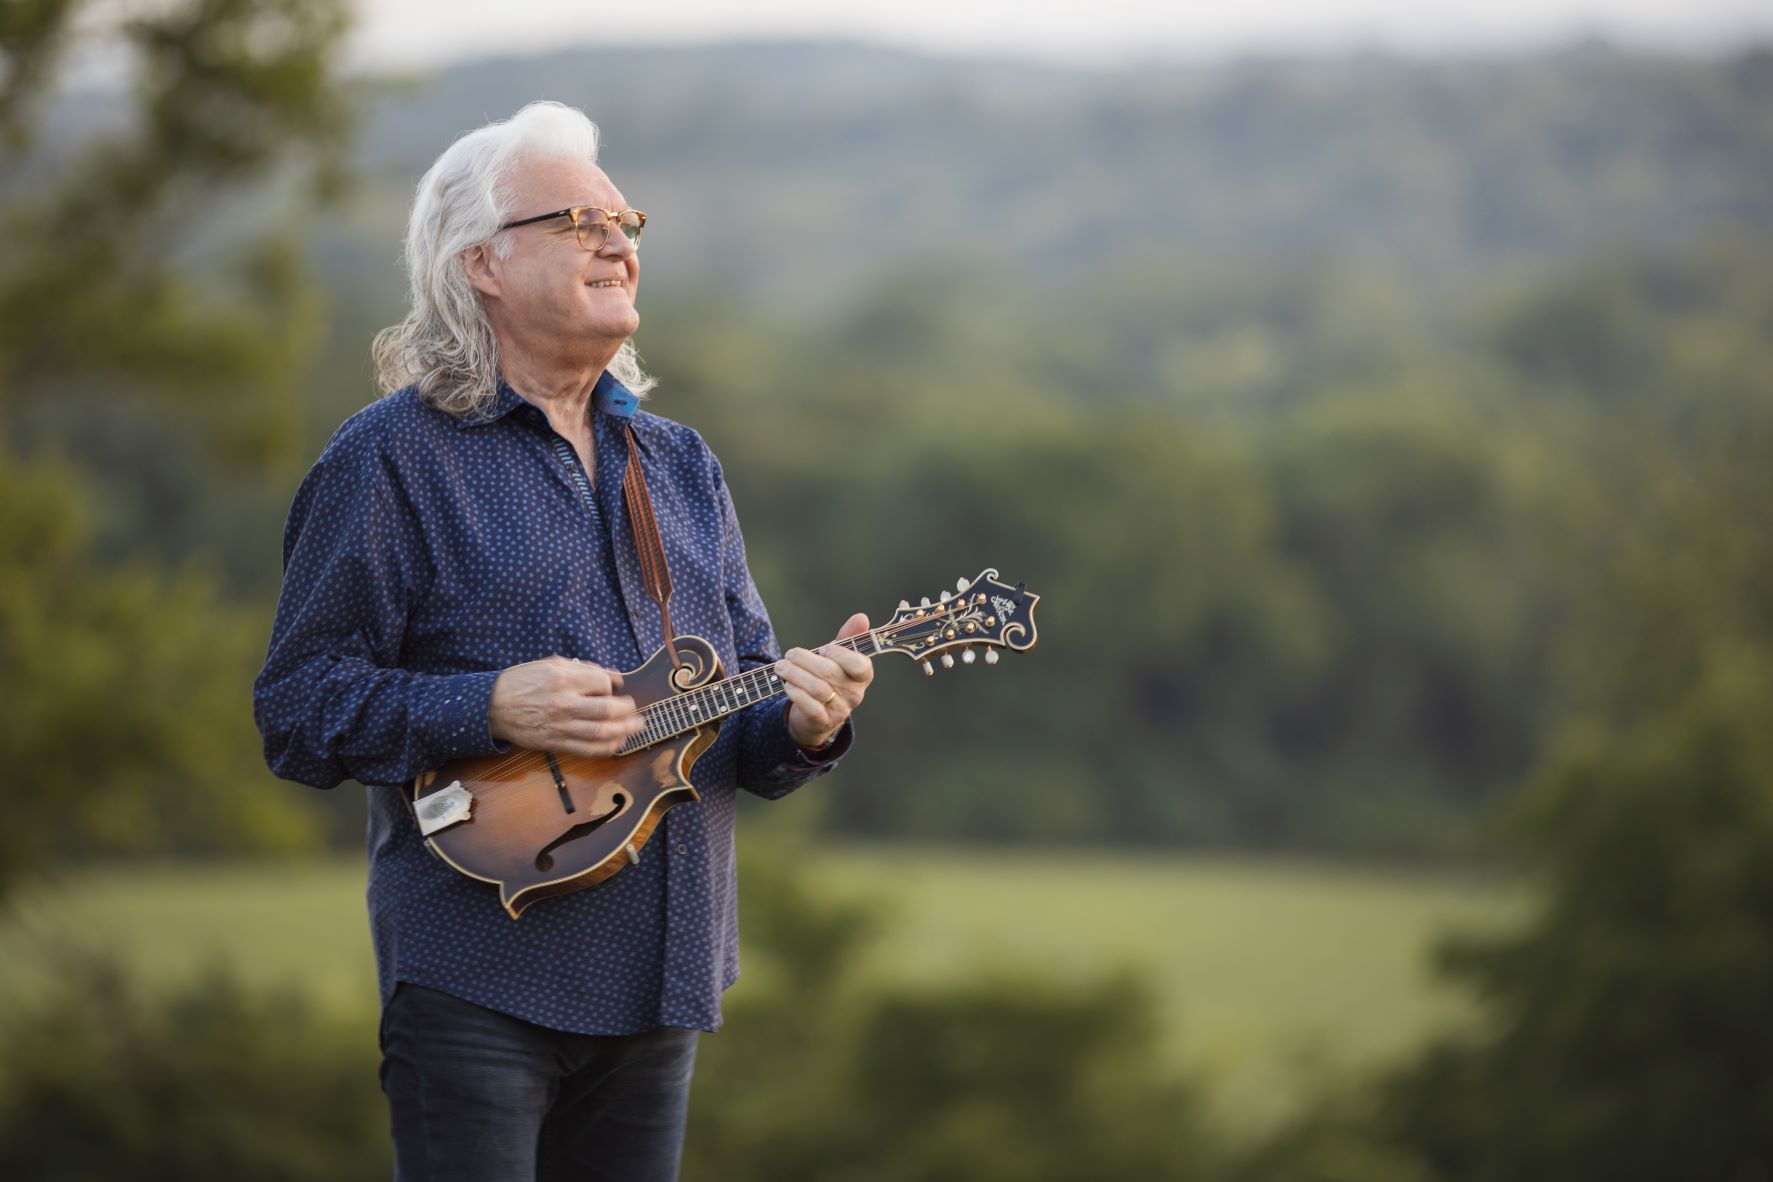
(830, 700)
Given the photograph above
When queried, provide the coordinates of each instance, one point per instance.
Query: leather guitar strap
(654, 571)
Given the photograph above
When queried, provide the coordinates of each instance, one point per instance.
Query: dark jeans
(481, 1096)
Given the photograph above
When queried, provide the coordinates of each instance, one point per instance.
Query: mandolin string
(529, 760)
(711, 691)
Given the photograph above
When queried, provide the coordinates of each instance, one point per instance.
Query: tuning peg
(904, 605)
(926, 602)
(929, 670)
(961, 583)
(991, 656)
(946, 596)
(968, 656)
(947, 660)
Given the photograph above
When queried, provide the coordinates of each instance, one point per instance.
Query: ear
(482, 269)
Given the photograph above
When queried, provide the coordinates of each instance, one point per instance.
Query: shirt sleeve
(331, 703)
(770, 763)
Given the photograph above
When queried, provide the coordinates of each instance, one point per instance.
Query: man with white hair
(461, 578)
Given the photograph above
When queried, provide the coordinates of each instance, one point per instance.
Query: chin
(606, 318)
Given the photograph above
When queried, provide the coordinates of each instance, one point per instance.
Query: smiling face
(548, 297)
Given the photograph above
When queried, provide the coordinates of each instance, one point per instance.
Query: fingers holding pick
(565, 706)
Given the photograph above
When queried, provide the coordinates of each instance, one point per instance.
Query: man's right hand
(563, 706)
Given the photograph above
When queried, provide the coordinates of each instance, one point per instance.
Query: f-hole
(545, 859)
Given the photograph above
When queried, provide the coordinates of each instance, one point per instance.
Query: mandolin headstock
(979, 615)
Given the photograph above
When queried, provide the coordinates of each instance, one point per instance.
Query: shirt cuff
(820, 757)
(775, 765)
(454, 722)
(833, 751)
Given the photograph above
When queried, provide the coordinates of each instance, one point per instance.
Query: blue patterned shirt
(426, 553)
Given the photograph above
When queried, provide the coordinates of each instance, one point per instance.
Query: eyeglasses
(592, 224)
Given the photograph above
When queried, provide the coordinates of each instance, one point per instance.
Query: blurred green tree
(1629, 1035)
(139, 266)
(1398, 502)
(214, 1082)
(1625, 1033)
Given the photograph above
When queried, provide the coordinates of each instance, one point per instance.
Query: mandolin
(539, 825)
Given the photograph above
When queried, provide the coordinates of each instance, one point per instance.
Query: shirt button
(681, 848)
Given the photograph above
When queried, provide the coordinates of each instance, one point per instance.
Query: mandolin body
(538, 825)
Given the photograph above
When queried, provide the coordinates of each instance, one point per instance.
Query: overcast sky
(423, 32)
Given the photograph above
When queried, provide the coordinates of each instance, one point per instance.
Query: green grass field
(1268, 971)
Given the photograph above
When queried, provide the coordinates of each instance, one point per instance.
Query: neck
(685, 712)
(562, 387)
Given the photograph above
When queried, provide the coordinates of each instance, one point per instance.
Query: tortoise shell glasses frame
(592, 223)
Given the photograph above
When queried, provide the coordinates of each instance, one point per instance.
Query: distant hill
(801, 171)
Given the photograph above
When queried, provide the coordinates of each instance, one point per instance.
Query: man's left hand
(824, 686)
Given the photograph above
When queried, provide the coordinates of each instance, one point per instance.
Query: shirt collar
(505, 400)
(609, 396)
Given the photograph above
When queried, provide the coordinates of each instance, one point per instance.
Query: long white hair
(445, 345)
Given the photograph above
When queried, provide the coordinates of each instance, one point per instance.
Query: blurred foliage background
(1389, 441)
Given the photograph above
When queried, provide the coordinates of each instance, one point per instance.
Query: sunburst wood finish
(521, 834)
(538, 825)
